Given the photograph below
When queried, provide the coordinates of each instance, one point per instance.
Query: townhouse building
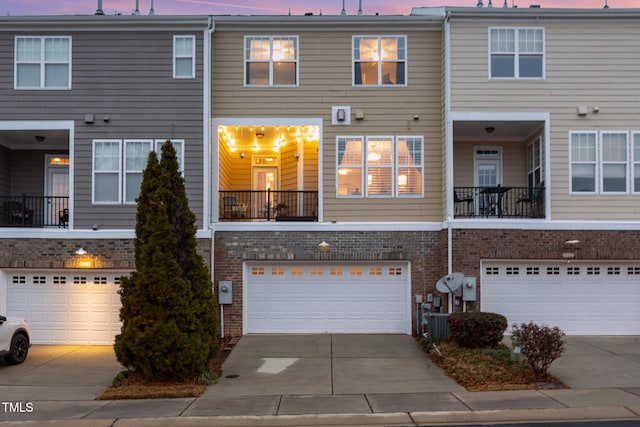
(338, 166)
(83, 99)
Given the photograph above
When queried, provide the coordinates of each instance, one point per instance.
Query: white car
(15, 339)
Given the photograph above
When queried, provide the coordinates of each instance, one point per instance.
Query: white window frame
(360, 167)
(534, 166)
(517, 54)
(573, 162)
(379, 60)
(634, 143)
(94, 173)
(127, 172)
(390, 166)
(419, 166)
(154, 145)
(604, 163)
(271, 60)
(179, 151)
(42, 63)
(191, 55)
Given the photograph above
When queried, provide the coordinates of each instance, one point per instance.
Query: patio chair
(459, 204)
(15, 213)
(530, 203)
(231, 208)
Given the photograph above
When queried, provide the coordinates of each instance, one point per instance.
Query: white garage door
(66, 307)
(581, 298)
(327, 297)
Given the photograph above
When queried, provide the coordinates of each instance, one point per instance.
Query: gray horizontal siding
(126, 76)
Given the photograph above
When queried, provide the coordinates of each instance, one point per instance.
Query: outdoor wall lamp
(81, 251)
(323, 246)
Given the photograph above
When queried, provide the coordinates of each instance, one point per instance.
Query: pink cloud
(258, 7)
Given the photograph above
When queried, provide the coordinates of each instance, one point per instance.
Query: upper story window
(600, 162)
(379, 60)
(118, 166)
(516, 53)
(184, 57)
(271, 60)
(42, 63)
(393, 166)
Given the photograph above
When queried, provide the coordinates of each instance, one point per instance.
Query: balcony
(34, 211)
(269, 205)
(499, 202)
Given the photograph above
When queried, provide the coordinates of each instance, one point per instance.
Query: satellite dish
(450, 282)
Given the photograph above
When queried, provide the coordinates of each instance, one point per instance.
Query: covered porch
(268, 170)
(499, 167)
(34, 176)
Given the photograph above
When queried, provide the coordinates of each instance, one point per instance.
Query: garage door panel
(582, 298)
(66, 307)
(318, 298)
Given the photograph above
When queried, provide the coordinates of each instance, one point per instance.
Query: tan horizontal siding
(324, 81)
(587, 63)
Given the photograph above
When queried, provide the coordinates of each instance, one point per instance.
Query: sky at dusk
(268, 7)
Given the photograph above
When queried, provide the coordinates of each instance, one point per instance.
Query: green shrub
(477, 329)
(540, 345)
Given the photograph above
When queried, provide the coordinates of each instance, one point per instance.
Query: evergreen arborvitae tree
(168, 311)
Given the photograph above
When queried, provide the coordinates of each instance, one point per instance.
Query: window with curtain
(106, 171)
(516, 53)
(136, 154)
(379, 162)
(118, 167)
(271, 60)
(379, 61)
(42, 62)
(614, 162)
(410, 164)
(184, 57)
(583, 162)
(349, 166)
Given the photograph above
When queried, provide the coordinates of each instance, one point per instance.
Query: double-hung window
(516, 53)
(583, 161)
(384, 166)
(636, 161)
(184, 57)
(106, 171)
(379, 60)
(118, 167)
(410, 164)
(271, 60)
(42, 62)
(614, 162)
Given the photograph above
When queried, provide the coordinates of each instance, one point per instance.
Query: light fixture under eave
(489, 129)
(572, 242)
(81, 251)
(40, 138)
(323, 246)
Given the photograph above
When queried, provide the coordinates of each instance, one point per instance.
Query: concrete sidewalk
(324, 380)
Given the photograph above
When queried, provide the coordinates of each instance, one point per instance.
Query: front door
(264, 180)
(488, 173)
(57, 190)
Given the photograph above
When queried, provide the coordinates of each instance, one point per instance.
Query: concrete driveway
(60, 372)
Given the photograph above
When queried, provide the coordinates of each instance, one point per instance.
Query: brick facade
(427, 252)
(60, 253)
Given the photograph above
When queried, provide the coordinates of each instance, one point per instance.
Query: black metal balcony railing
(34, 211)
(499, 202)
(279, 205)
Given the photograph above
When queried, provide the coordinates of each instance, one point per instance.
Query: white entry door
(329, 297)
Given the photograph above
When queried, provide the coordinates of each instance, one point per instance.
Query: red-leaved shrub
(540, 345)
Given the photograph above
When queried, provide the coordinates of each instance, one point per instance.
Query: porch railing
(499, 202)
(34, 211)
(278, 205)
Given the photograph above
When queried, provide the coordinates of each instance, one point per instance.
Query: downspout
(208, 152)
(448, 134)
